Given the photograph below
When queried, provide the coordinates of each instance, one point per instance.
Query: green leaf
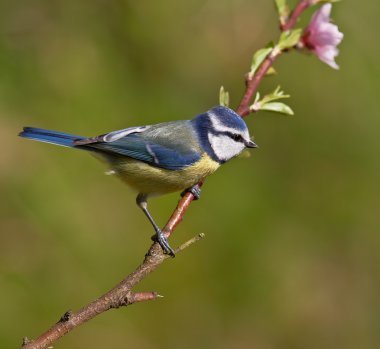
(280, 4)
(277, 107)
(257, 98)
(259, 58)
(267, 102)
(275, 95)
(289, 39)
(283, 10)
(271, 71)
(224, 97)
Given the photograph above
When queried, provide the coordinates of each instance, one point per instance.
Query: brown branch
(252, 83)
(122, 295)
(296, 14)
(119, 296)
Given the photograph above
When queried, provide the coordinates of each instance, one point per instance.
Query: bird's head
(223, 133)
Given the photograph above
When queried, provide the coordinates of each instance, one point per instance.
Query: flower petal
(327, 54)
(321, 16)
(327, 34)
(322, 37)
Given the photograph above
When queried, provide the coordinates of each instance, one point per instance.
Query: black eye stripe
(235, 136)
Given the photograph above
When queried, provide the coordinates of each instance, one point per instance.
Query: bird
(162, 158)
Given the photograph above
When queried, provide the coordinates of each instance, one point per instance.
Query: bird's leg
(160, 237)
(195, 190)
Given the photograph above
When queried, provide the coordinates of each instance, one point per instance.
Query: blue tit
(162, 158)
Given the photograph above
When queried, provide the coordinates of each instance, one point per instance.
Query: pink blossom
(322, 37)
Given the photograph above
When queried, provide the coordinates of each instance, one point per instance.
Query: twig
(119, 296)
(122, 294)
(190, 242)
(252, 83)
(296, 14)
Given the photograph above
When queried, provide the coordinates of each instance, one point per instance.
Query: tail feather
(42, 135)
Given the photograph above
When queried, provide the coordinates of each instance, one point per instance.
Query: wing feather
(170, 146)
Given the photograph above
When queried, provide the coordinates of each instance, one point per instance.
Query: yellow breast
(153, 180)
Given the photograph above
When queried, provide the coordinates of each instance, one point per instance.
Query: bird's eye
(236, 137)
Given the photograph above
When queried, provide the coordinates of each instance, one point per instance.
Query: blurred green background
(292, 249)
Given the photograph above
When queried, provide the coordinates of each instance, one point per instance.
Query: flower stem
(295, 15)
(252, 83)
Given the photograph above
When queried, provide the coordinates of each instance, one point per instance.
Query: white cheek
(224, 147)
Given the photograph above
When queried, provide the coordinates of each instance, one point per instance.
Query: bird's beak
(250, 144)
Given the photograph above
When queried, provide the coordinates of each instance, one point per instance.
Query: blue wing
(171, 146)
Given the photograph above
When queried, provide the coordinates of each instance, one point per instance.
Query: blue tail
(59, 138)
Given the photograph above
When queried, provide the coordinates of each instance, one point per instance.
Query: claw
(195, 190)
(163, 242)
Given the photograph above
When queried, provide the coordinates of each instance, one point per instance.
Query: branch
(296, 14)
(252, 83)
(122, 294)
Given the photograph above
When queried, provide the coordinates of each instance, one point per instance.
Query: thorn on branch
(143, 296)
(247, 79)
(66, 316)
(132, 298)
(25, 341)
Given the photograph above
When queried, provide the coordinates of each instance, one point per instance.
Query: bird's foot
(195, 190)
(163, 242)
